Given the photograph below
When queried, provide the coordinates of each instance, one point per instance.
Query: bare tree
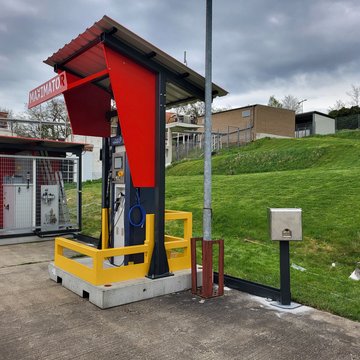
(339, 104)
(354, 95)
(53, 111)
(197, 109)
(290, 102)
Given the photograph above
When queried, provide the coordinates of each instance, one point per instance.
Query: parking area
(42, 320)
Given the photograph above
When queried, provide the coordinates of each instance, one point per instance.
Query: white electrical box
(49, 207)
(285, 224)
(17, 202)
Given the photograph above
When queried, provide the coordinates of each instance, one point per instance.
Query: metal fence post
(285, 295)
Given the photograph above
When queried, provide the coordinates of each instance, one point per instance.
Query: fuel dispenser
(128, 205)
(118, 190)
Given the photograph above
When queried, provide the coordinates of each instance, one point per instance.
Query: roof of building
(249, 106)
(83, 56)
(45, 144)
(177, 127)
(310, 113)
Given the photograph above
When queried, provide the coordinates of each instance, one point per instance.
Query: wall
(91, 164)
(267, 121)
(323, 125)
(233, 118)
(274, 121)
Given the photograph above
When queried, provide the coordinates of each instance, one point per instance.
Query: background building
(314, 123)
(258, 120)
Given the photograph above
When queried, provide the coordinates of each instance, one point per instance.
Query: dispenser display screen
(118, 162)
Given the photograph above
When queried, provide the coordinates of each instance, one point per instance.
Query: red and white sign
(48, 90)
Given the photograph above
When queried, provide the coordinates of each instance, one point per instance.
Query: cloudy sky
(307, 48)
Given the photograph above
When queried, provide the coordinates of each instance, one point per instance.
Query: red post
(207, 290)
(207, 268)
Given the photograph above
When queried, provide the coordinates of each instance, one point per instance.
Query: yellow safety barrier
(97, 274)
(92, 269)
(177, 248)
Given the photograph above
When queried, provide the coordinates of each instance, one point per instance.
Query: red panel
(134, 91)
(87, 106)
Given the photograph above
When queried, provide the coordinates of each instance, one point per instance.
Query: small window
(246, 113)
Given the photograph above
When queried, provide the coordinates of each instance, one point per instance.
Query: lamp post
(301, 102)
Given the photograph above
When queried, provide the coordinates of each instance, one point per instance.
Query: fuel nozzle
(118, 201)
(28, 179)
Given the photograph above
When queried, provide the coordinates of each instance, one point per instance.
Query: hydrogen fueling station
(134, 258)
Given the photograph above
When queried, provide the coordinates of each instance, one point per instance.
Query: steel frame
(159, 266)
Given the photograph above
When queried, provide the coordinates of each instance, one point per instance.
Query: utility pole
(207, 283)
(208, 124)
(208, 290)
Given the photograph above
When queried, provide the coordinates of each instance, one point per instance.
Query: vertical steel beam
(285, 295)
(79, 199)
(159, 266)
(34, 175)
(105, 160)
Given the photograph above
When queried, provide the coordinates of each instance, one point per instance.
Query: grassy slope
(318, 174)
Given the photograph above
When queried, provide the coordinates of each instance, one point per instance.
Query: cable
(141, 210)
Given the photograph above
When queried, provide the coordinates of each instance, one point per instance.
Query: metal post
(104, 193)
(285, 295)
(159, 266)
(34, 193)
(79, 214)
(207, 286)
(208, 125)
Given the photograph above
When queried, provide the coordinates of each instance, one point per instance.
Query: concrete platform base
(125, 292)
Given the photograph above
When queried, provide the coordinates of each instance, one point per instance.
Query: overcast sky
(307, 48)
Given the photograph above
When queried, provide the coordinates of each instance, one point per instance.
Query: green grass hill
(319, 174)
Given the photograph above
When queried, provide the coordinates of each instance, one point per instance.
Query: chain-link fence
(236, 136)
(38, 194)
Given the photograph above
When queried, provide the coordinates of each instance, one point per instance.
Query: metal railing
(35, 128)
(191, 144)
(94, 268)
(178, 248)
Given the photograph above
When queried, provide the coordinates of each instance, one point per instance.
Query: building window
(246, 113)
(67, 170)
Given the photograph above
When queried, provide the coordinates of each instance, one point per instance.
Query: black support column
(79, 199)
(285, 294)
(159, 266)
